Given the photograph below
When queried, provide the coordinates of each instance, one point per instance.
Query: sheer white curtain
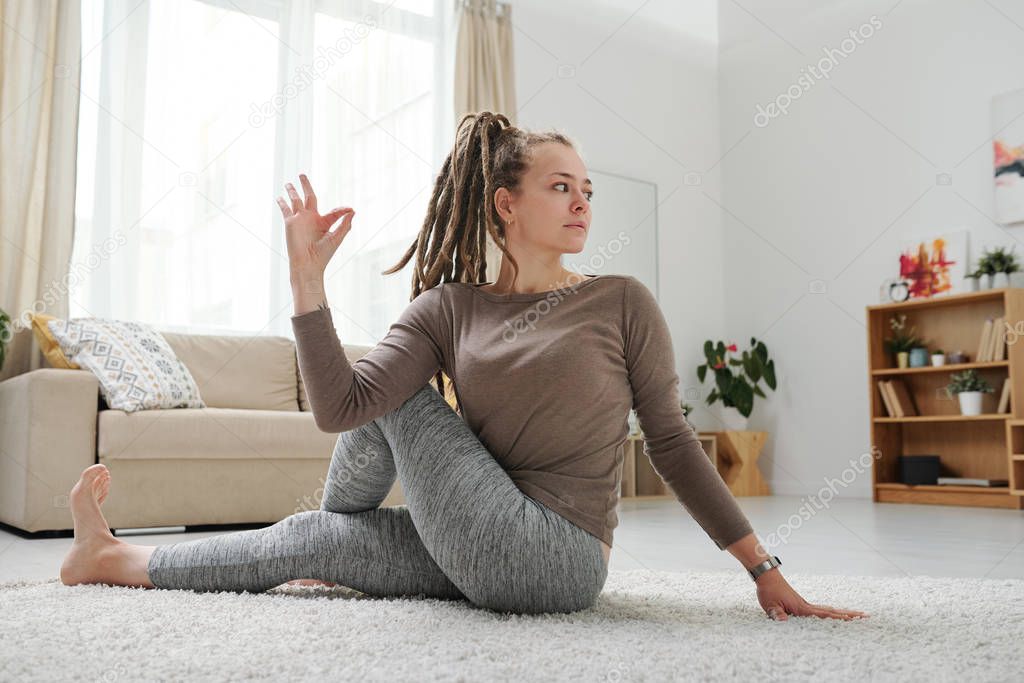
(195, 113)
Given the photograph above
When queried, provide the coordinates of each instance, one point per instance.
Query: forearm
(749, 552)
(307, 291)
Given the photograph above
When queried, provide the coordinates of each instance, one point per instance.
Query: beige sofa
(253, 455)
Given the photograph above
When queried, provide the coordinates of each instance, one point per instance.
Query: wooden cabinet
(981, 446)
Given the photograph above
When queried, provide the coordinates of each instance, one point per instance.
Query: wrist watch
(759, 569)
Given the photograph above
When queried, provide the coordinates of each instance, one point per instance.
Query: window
(193, 115)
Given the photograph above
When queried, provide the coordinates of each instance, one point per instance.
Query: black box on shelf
(919, 469)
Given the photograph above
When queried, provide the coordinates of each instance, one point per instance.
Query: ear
(503, 203)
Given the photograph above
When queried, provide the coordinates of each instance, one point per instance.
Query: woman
(512, 504)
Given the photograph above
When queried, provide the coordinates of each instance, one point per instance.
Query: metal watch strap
(759, 569)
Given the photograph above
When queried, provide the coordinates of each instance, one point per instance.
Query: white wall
(830, 190)
(640, 97)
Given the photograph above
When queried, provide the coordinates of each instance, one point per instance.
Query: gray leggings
(466, 531)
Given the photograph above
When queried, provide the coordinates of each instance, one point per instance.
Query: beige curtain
(40, 51)
(485, 73)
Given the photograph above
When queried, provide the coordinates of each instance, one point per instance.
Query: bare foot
(94, 556)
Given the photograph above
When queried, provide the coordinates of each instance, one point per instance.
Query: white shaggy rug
(647, 626)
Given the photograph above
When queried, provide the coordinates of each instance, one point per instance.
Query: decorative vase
(938, 359)
(985, 281)
(733, 420)
(971, 283)
(1017, 278)
(957, 357)
(970, 402)
(1000, 280)
(902, 359)
(918, 357)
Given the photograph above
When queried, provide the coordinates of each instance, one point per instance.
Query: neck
(535, 275)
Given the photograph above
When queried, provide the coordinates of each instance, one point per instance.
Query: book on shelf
(883, 389)
(969, 481)
(992, 345)
(984, 342)
(998, 351)
(904, 402)
(1004, 397)
(898, 402)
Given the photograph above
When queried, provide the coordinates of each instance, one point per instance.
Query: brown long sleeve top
(545, 380)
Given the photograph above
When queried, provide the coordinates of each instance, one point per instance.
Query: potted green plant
(998, 263)
(902, 340)
(938, 357)
(6, 332)
(969, 388)
(736, 390)
(985, 270)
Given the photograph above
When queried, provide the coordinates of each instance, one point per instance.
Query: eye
(588, 193)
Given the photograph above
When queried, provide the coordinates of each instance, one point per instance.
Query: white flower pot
(1000, 280)
(984, 282)
(970, 402)
(733, 420)
(1017, 278)
(938, 359)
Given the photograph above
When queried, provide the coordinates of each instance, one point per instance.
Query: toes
(102, 488)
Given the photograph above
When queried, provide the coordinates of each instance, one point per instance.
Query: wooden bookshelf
(982, 446)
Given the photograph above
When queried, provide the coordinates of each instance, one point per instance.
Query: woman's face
(553, 194)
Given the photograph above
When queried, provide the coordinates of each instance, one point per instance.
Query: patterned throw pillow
(136, 368)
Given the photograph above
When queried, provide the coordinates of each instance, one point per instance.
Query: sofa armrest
(47, 437)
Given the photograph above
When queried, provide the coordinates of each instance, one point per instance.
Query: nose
(580, 204)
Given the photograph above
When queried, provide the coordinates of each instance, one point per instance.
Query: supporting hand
(779, 600)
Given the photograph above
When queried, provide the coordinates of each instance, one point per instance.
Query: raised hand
(311, 243)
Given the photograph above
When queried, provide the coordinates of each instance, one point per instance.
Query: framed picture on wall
(935, 265)
(1008, 156)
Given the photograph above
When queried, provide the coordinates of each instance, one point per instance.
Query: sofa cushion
(48, 343)
(249, 372)
(211, 434)
(136, 368)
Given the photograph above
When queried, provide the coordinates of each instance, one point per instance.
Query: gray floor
(852, 537)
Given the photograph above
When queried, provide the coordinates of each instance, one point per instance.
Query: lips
(576, 225)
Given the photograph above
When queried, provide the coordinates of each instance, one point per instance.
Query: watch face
(898, 291)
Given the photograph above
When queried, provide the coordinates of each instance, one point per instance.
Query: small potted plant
(985, 270)
(938, 357)
(969, 388)
(997, 263)
(919, 355)
(737, 391)
(6, 331)
(971, 281)
(902, 340)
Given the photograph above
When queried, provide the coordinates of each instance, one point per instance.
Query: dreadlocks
(489, 153)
